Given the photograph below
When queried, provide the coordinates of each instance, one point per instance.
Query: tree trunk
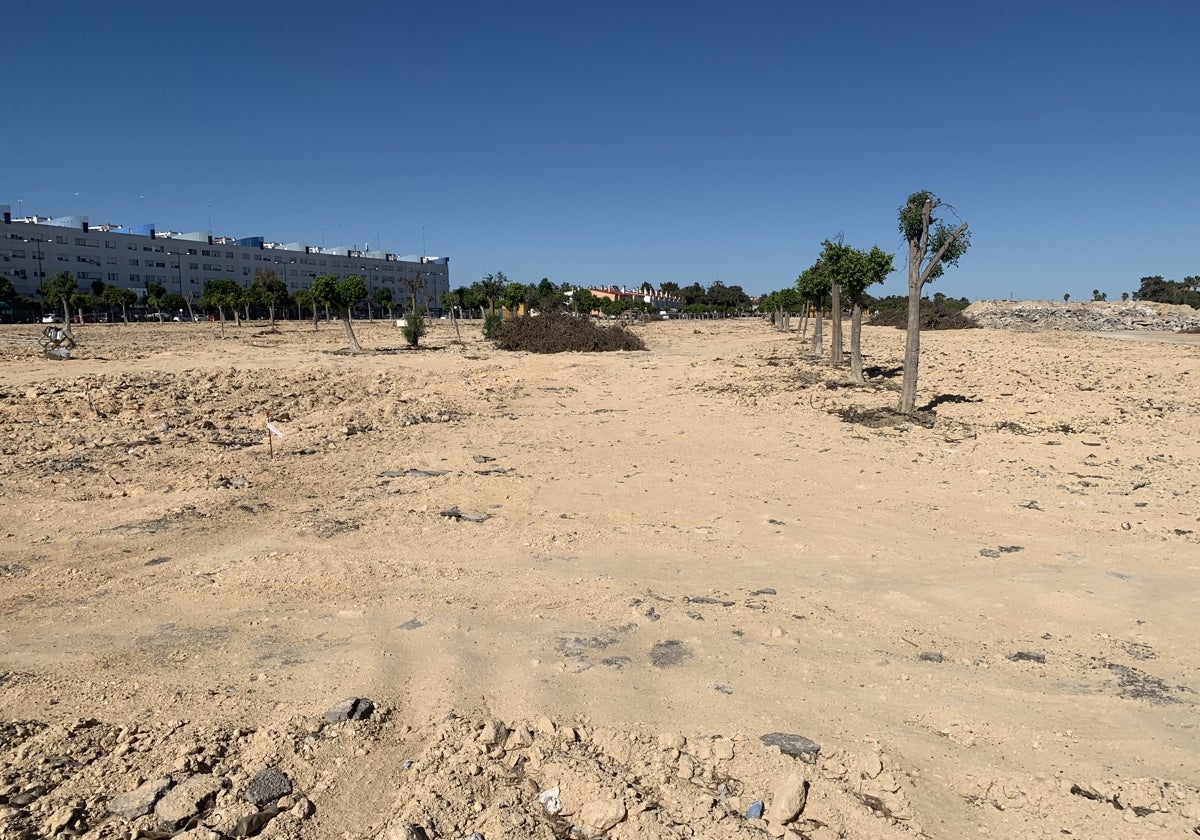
(354, 346)
(271, 312)
(67, 320)
(314, 310)
(856, 364)
(835, 323)
(454, 320)
(912, 345)
(191, 315)
(817, 329)
(221, 315)
(124, 314)
(803, 331)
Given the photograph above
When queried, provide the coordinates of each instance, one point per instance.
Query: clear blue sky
(623, 142)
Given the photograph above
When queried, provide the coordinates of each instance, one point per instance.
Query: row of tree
(1160, 290)
(842, 270)
(545, 296)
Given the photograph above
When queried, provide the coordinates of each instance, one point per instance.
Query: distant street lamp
(178, 264)
(38, 251)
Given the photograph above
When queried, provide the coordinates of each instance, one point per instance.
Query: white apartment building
(34, 248)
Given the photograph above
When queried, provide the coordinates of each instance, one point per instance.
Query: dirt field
(611, 574)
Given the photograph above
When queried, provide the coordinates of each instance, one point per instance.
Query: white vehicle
(52, 319)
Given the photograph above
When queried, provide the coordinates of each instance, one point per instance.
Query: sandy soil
(986, 620)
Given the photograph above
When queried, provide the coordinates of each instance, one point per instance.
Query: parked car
(52, 319)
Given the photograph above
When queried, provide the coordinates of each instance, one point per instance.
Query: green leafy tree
(547, 296)
(342, 296)
(692, 295)
(729, 299)
(81, 302)
(513, 296)
(175, 302)
(268, 290)
(116, 296)
(8, 293)
(614, 307)
(491, 287)
(932, 245)
(668, 289)
(584, 302)
(383, 299)
(155, 292)
(221, 294)
(470, 298)
(852, 271)
(813, 286)
(304, 299)
(57, 291)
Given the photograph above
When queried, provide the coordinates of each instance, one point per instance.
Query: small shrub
(560, 333)
(491, 324)
(414, 327)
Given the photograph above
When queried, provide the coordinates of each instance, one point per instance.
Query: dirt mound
(560, 333)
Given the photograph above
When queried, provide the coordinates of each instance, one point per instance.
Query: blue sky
(623, 142)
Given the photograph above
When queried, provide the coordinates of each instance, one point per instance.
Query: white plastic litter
(549, 800)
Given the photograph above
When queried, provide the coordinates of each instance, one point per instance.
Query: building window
(132, 261)
(112, 277)
(108, 243)
(135, 278)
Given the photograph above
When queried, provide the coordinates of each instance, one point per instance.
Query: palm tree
(491, 286)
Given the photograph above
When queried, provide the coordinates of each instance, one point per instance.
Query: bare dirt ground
(611, 574)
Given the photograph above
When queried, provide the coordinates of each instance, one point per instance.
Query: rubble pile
(1089, 316)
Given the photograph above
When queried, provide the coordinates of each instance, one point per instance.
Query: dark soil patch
(670, 653)
(882, 418)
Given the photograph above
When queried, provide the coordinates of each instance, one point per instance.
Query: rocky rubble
(479, 777)
(1084, 316)
(464, 776)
